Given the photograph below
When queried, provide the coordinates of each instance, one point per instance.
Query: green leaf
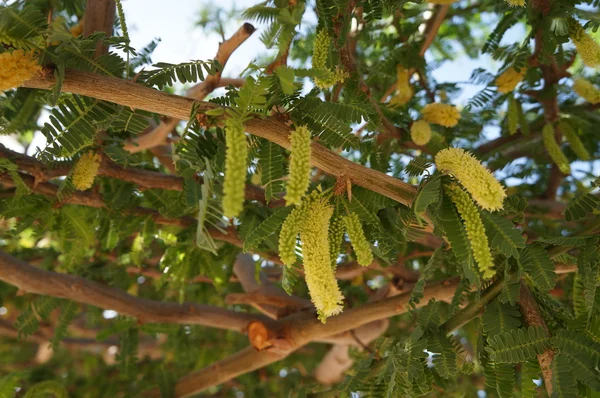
(9, 384)
(518, 345)
(503, 235)
(291, 274)
(266, 228)
(166, 74)
(499, 318)
(435, 262)
(581, 206)
(286, 79)
(418, 166)
(270, 163)
(69, 310)
(535, 261)
(444, 357)
(564, 385)
(576, 344)
(429, 192)
(42, 389)
(530, 371)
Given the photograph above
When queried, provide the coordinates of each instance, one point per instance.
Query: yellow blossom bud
(85, 171)
(336, 237)
(574, 141)
(553, 149)
(289, 232)
(236, 155)
(420, 132)
(17, 67)
(405, 90)
(587, 48)
(508, 80)
(320, 277)
(473, 176)
(475, 230)
(516, 3)
(442, 114)
(586, 90)
(77, 30)
(299, 166)
(359, 242)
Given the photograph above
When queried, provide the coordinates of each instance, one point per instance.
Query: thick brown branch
(99, 17)
(137, 96)
(35, 280)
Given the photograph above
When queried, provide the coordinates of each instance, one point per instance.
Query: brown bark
(99, 17)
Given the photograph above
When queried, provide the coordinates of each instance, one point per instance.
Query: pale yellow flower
(586, 90)
(473, 176)
(442, 114)
(299, 178)
(236, 155)
(509, 79)
(16, 67)
(404, 90)
(553, 149)
(420, 132)
(85, 171)
(516, 3)
(587, 48)
(359, 242)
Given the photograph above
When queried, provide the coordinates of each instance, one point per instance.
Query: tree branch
(99, 17)
(36, 280)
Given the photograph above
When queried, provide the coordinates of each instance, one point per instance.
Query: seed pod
(553, 149)
(299, 178)
(442, 114)
(508, 80)
(85, 171)
(336, 237)
(420, 132)
(587, 48)
(359, 242)
(236, 155)
(320, 277)
(586, 90)
(574, 141)
(16, 67)
(512, 117)
(289, 232)
(473, 176)
(475, 230)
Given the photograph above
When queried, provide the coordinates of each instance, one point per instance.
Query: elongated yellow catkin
(586, 90)
(336, 237)
(573, 140)
(320, 277)
(236, 155)
(404, 90)
(443, 114)
(508, 80)
(85, 171)
(319, 61)
(420, 132)
(475, 230)
(289, 233)
(587, 48)
(299, 178)
(473, 176)
(16, 67)
(516, 3)
(553, 149)
(359, 242)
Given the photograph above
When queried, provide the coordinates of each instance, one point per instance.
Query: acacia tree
(332, 224)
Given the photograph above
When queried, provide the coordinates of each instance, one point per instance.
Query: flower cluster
(473, 176)
(336, 237)
(515, 3)
(574, 141)
(587, 48)
(553, 149)
(442, 114)
(17, 67)
(299, 178)
(319, 61)
(420, 132)
(320, 277)
(475, 230)
(404, 90)
(236, 155)
(289, 232)
(586, 90)
(359, 242)
(508, 80)
(85, 171)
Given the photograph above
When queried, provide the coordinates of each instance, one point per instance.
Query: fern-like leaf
(270, 162)
(581, 206)
(518, 345)
(67, 314)
(500, 318)
(535, 261)
(266, 228)
(167, 74)
(502, 234)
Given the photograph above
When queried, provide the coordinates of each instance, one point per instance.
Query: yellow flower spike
(17, 67)
(420, 132)
(587, 48)
(299, 166)
(359, 242)
(236, 155)
(473, 176)
(586, 90)
(319, 61)
(508, 80)
(85, 171)
(336, 237)
(442, 114)
(553, 149)
(320, 277)
(515, 3)
(405, 90)
(475, 230)
(289, 232)
(574, 141)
